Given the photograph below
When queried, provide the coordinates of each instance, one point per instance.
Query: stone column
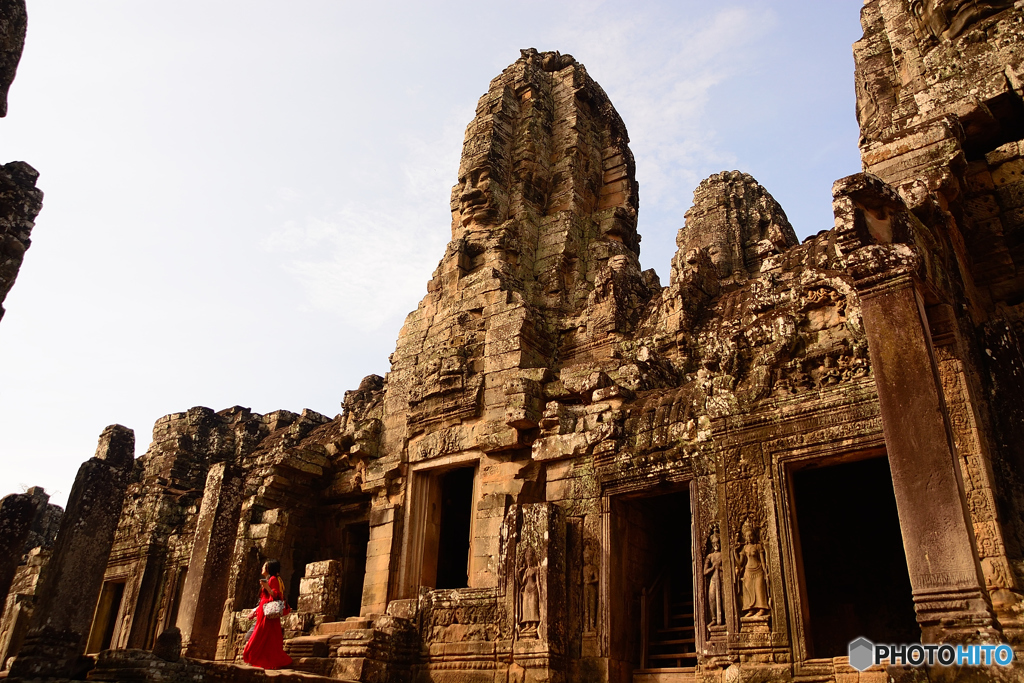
(209, 567)
(385, 532)
(937, 536)
(16, 514)
(533, 578)
(71, 582)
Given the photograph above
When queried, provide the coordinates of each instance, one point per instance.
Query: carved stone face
(476, 198)
(949, 18)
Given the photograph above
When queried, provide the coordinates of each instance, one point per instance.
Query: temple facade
(573, 472)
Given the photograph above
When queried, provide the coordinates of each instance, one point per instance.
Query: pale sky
(245, 199)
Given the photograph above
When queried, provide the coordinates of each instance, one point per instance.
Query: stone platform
(143, 665)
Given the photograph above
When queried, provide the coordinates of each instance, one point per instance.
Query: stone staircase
(669, 638)
(673, 645)
(373, 650)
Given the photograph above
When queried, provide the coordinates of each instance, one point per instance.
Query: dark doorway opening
(854, 566)
(652, 582)
(106, 620)
(456, 494)
(357, 538)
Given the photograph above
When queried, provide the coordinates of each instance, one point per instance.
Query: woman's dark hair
(273, 567)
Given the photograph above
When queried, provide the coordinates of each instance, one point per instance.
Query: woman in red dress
(265, 647)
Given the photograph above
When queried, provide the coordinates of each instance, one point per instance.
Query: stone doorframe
(631, 490)
(785, 464)
(121, 575)
(423, 480)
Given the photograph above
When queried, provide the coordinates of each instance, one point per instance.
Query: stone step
(308, 646)
(321, 666)
(680, 641)
(683, 674)
(242, 673)
(350, 624)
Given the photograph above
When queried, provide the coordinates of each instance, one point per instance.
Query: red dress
(265, 648)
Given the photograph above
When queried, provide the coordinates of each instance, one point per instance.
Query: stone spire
(543, 240)
(737, 221)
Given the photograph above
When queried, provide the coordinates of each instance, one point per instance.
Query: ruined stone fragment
(74, 574)
(13, 23)
(20, 203)
(16, 513)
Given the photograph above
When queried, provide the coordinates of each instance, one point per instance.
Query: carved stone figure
(750, 570)
(800, 379)
(713, 572)
(949, 18)
(731, 211)
(475, 197)
(529, 597)
(829, 374)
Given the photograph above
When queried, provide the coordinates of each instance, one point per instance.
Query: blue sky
(244, 199)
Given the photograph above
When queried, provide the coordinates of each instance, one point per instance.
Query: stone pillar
(16, 513)
(948, 586)
(385, 531)
(71, 581)
(209, 567)
(533, 578)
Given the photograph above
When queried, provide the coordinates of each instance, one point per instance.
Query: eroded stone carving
(751, 572)
(713, 574)
(949, 18)
(529, 596)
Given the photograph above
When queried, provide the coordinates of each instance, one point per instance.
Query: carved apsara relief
(714, 575)
(751, 573)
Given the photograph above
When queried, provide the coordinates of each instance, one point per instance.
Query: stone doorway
(106, 621)
(357, 538)
(440, 532)
(652, 585)
(173, 603)
(455, 500)
(850, 550)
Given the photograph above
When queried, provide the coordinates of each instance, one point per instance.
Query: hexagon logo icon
(862, 653)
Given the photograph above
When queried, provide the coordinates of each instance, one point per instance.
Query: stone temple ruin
(575, 473)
